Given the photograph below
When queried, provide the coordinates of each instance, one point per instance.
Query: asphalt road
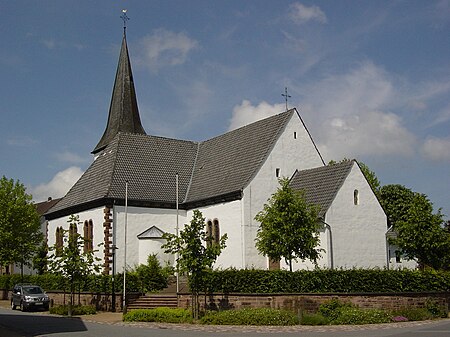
(18, 324)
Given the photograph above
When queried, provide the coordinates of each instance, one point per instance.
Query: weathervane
(286, 96)
(125, 18)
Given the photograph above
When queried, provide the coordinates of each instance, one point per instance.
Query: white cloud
(246, 113)
(22, 141)
(373, 133)
(436, 149)
(58, 186)
(70, 158)
(164, 48)
(350, 114)
(49, 43)
(301, 14)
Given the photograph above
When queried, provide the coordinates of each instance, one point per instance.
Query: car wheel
(13, 306)
(22, 307)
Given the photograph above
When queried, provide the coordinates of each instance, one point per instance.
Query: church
(140, 186)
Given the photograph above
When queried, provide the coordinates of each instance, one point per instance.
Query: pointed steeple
(123, 111)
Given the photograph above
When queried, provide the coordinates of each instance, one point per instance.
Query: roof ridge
(192, 173)
(310, 136)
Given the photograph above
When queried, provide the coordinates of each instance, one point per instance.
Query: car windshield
(32, 290)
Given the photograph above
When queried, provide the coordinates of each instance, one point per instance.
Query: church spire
(123, 111)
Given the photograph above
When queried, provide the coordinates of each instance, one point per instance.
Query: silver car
(28, 296)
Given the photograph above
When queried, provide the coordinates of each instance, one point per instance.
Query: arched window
(88, 236)
(216, 231)
(356, 197)
(59, 240)
(73, 231)
(209, 233)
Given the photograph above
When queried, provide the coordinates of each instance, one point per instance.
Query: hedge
(327, 281)
(265, 281)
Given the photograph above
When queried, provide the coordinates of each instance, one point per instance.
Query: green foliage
(326, 281)
(20, 232)
(413, 314)
(420, 233)
(40, 260)
(262, 316)
(76, 310)
(371, 178)
(289, 227)
(195, 256)
(313, 319)
(166, 315)
(151, 277)
(332, 308)
(353, 315)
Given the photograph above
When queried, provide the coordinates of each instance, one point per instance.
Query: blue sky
(371, 80)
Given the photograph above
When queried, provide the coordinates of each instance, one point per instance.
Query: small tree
(289, 227)
(20, 229)
(69, 261)
(421, 234)
(196, 254)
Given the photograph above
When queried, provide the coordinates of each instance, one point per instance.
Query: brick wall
(311, 302)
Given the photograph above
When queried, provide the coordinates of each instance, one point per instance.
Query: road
(28, 324)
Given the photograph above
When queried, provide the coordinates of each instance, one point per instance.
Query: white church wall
(358, 231)
(229, 215)
(293, 150)
(140, 219)
(96, 215)
(322, 262)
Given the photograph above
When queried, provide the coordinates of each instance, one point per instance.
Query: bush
(332, 309)
(76, 310)
(250, 317)
(151, 277)
(352, 315)
(327, 280)
(166, 315)
(314, 319)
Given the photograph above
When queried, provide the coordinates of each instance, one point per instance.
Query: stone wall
(102, 301)
(311, 302)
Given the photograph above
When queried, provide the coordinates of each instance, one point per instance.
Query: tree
(69, 259)
(421, 234)
(196, 253)
(371, 178)
(289, 227)
(20, 229)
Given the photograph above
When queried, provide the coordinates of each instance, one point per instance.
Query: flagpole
(176, 255)
(125, 250)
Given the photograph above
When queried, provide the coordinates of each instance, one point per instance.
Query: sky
(371, 80)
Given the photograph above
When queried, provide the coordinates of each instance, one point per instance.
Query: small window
(209, 232)
(277, 172)
(216, 230)
(356, 197)
(295, 135)
(398, 256)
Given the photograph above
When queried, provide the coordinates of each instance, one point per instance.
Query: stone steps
(154, 301)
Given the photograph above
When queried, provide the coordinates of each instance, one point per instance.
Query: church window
(277, 172)
(216, 231)
(73, 234)
(212, 232)
(88, 236)
(209, 233)
(59, 240)
(356, 197)
(295, 135)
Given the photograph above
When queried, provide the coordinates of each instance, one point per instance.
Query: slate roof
(43, 207)
(228, 162)
(123, 111)
(216, 169)
(322, 184)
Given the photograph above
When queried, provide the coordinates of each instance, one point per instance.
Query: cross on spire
(286, 96)
(124, 18)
